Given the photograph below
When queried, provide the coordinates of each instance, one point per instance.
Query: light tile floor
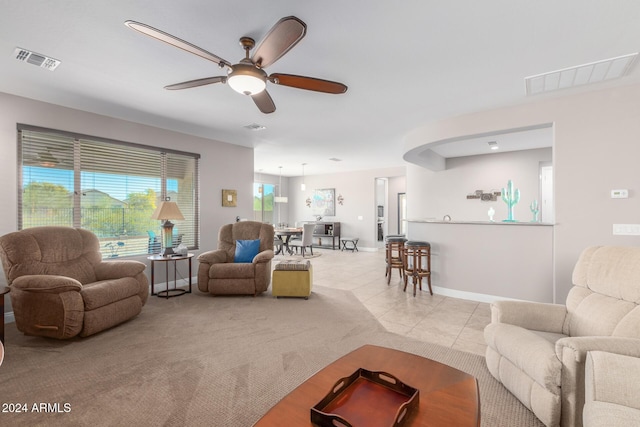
(447, 321)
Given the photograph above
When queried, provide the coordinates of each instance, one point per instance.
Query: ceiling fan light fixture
(247, 79)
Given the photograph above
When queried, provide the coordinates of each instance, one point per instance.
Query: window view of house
(74, 182)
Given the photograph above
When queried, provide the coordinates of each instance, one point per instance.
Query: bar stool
(415, 255)
(394, 247)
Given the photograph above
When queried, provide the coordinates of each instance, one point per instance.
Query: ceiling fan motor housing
(246, 78)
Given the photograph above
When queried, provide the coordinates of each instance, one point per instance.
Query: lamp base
(167, 252)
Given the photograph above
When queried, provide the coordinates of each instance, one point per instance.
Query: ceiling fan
(248, 76)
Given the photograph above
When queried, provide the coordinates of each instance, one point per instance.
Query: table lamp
(165, 212)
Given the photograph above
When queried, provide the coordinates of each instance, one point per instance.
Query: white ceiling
(406, 63)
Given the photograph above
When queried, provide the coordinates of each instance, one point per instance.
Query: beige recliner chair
(612, 390)
(60, 287)
(538, 351)
(218, 274)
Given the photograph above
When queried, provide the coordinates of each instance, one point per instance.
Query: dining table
(286, 234)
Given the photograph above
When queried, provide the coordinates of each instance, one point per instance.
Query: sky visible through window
(117, 186)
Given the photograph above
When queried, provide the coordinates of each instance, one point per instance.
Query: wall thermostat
(619, 194)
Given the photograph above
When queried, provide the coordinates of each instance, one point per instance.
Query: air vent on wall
(36, 59)
(593, 72)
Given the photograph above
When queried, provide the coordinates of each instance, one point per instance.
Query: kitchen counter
(487, 261)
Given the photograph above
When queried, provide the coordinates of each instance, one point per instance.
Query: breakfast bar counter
(485, 260)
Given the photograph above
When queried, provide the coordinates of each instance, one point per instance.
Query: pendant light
(279, 198)
(303, 187)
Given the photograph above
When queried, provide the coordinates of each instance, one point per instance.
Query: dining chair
(307, 239)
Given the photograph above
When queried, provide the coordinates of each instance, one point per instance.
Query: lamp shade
(167, 210)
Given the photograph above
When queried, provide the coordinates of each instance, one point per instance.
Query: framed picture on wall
(323, 202)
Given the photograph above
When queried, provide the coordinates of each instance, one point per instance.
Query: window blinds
(108, 187)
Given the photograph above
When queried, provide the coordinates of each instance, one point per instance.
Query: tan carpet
(211, 361)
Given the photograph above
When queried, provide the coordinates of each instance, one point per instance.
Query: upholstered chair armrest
(576, 348)
(116, 269)
(213, 257)
(530, 315)
(613, 378)
(40, 283)
(263, 256)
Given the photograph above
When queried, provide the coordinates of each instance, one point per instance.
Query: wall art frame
(323, 202)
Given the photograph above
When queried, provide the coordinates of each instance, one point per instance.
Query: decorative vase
(511, 197)
(491, 212)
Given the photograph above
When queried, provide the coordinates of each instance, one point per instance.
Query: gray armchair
(60, 287)
(218, 274)
(538, 351)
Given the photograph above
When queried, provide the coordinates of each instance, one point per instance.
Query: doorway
(546, 193)
(402, 213)
(381, 211)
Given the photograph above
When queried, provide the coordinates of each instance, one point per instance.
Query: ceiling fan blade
(264, 102)
(308, 83)
(197, 82)
(175, 41)
(283, 36)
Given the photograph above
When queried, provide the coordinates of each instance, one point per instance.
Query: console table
(327, 230)
(448, 397)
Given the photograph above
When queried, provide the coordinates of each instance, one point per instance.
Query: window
(263, 202)
(108, 187)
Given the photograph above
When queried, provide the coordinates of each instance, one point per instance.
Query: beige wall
(358, 190)
(216, 171)
(447, 190)
(596, 149)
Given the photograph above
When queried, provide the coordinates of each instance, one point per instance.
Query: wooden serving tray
(367, 399)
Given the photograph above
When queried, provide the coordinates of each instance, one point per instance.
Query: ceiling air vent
(36, 59)
(255, 127)
(593, 72)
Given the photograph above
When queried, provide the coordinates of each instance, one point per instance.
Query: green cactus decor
(534, 208)
(510, 197)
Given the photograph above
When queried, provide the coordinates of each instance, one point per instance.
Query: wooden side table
(3, 290)
(168, 293)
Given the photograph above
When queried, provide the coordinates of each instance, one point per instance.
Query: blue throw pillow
(246, 250)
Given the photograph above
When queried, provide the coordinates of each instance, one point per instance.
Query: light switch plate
(626, 229)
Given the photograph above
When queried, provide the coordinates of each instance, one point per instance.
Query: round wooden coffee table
(448, 397)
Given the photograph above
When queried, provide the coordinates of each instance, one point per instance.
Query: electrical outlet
(626, 229)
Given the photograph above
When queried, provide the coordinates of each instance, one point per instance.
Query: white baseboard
(472, 296)
(364, 250)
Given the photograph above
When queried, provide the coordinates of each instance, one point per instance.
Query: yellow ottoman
(292, 279)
